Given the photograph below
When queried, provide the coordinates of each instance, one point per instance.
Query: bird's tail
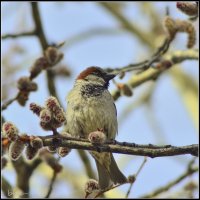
(108, 170)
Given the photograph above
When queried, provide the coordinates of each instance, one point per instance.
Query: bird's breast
(87, 113)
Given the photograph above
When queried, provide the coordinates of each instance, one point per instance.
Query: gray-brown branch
(190, 170)
(123, 148)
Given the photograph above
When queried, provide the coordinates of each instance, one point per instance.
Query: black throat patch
(92, 90)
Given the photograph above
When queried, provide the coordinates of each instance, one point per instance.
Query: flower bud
(91, 186)
(36, 142)
(170, 26)
(63, 151)
(52, 149)
(53, 55)
(46, 126)
(131, 179)
(10, 130)
(174, 26)
(35, 108)
(52, 104)
(125, 89)
(22, 97)
(15, 149)
(45, 116)
(25, 84)
(189, 8)
(40, 63)
(97, 137)
(164, 64)
(59, 115)
(187, 27)
(31, 152)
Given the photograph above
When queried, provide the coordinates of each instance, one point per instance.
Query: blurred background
(160, 112)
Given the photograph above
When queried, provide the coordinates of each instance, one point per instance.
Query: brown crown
(86, 72)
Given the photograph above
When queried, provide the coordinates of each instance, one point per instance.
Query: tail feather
(104, 178)
(115, 174)
(109, 174)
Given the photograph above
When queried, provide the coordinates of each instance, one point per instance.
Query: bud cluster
(25, 86)
(15, 149)
(174, 26)
(51, 115)
(125, 89)
(64, 151)
(18, 142)
(51, 57)
(91, 187)
(189, 8)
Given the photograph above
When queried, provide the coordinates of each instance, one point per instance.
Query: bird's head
(96, 75)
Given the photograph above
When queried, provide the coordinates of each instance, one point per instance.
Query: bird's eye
(97, 73)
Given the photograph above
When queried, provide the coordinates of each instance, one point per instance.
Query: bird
(90, 107)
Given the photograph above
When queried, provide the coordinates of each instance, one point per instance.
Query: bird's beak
(110, 76)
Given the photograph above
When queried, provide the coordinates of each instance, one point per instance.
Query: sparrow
(90, 107)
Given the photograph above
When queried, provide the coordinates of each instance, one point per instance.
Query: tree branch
(190, 170)
(38, 25)
(23, 34)
(6, 188)
(152, 73)
(53, 179)
(39, 33)
(171, 151)
(10, 101)
(122, 147)
(24, 172)
(43, 41)
(144, 65)
(135, 176)
(114, 146)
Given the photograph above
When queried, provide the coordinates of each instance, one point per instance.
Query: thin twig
(101, 192)
(43, 41)
(117, 185)
(142, 165)
(17, 35)
(143, 65)
(38, 25)
(39, 32)
(135, 176)
(190, 170)
(7, 103)
(152, 73)
(53, 179)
